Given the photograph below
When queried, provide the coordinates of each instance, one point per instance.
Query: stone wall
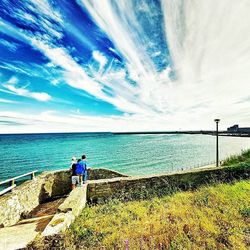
(46, 186)
(30, 194)
(102, 173)
(52, 184)
(142, 187)
(67, 211)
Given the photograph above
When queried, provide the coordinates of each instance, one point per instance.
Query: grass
(215, 217)
(234, 160)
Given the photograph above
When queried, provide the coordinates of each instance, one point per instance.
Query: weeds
(214, 217)
(244, 157)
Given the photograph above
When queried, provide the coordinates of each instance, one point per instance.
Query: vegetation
(215, 217)
(212, 217)
(235, 160)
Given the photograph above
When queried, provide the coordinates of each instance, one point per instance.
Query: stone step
(17, 236)
(30, 220)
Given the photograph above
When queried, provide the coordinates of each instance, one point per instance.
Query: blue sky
(91, 65)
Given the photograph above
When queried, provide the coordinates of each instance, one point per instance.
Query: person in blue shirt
(81, 169)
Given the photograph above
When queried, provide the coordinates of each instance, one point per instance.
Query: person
(81, 169)
(74, 177)
(73, 161)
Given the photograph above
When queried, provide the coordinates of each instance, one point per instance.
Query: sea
(134, 155)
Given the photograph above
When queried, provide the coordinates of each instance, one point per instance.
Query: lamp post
(217, 142)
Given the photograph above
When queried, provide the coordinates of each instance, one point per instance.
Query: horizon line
(115, 132)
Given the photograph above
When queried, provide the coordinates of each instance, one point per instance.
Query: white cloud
(51, 121)
(43, 97)
(12, 80)
(126, 100)
(210, 65)
(122, 25)
(55, 82)
(74, 73)
(40, 15)
(100, 58)
(7, 101)
(76, 77)
(39, 96)
(10, 85)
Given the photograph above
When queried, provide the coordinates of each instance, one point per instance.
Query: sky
(127, 65)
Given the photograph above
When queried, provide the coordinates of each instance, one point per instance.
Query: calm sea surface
(130, 154)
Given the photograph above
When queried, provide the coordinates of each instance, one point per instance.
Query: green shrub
(245, 212)
(236, 159)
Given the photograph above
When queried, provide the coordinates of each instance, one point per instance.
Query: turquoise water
(130, 154)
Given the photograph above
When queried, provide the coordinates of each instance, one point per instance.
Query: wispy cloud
(10, 123)
(200, 76)
(12, 80)
(128, 33)
(29, 69)
(7, 101)
(100, 58)
(9, 45)
(53, 121)
(39, 15)
(40, 96)
(77, 77)
(23, 91)
(170, 63)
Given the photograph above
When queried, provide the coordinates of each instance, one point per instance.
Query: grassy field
(216, 217)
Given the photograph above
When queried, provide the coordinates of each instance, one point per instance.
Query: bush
(236, 159)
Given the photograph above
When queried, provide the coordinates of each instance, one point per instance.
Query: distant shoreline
(188, 132)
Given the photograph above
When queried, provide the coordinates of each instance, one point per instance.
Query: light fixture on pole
(217, 142)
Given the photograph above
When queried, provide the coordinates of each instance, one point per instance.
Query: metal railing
(191, 167)
(200, 165)
(12, 183)
(203, 164)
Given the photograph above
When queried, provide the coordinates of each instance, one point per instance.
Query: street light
(217, 142)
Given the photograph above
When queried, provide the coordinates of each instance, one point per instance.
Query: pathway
(19, 235)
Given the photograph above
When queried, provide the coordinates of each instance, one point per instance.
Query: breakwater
(187, 132)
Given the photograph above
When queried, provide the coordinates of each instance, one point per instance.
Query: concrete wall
(142, 187)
